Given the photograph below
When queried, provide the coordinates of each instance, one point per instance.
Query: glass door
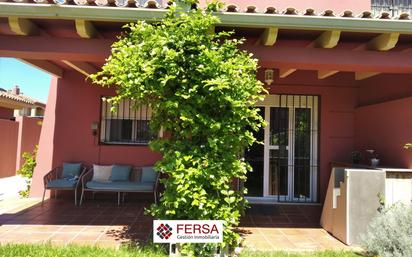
(290, 149)
(279, 151)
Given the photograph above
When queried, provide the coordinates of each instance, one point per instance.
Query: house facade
(338, 78)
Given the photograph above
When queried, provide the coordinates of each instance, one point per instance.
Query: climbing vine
(202, 90)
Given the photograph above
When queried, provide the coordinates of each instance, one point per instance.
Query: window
(128, 125)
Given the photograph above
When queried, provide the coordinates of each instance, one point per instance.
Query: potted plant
(356, 157)
(374, 158)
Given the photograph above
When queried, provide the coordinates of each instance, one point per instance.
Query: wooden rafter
(365, 75)
(328, 39)
(82, 67)
(86, 29)
(283, 73)
(323, 74)
(383, 42)
(269, 36)
(45, 66)
(22, 26)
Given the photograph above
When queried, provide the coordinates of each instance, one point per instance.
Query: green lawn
(34, 250)
(248, 253)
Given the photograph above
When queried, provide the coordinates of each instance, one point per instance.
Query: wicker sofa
(141, 180)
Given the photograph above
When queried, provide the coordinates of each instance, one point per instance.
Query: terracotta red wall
(386, 127)
(384, 87)
(8, 147)
(337, 104)
(67, 136)
(73, 105)
(29, 134)
(6, 113)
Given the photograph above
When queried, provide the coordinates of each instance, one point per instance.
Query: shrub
(203, 91)
(390, 233)
(27, 169)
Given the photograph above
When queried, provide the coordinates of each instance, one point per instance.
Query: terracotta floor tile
(63, 236)
(87, 236)
(96, 229)
(290, 231)
(71, 228)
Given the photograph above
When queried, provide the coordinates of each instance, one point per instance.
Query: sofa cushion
(121, 186)
(102, 173)
(120, 173)
(71, 170)
(62, 183)
(148, 175)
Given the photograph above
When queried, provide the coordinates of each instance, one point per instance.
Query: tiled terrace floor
(265, 227)
(287, 227)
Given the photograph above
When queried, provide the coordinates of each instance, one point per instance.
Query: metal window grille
(293, 148)
(286, 167)
(394, 7)
(128, 124)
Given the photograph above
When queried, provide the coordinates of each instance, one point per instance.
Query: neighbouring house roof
(230, 15)
(15, 101)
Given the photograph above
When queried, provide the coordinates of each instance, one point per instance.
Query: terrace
(103, 223)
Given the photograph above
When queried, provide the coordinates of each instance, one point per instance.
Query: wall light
(268, 77)
(94, 127)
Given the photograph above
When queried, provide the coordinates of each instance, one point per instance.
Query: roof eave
(252, 20)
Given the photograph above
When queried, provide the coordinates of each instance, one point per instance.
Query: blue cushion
(62, 183)
(148, 175)
(121, 186)
(120, 173)
(71, 170)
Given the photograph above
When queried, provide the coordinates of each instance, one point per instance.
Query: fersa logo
(200, 229)
(187, 231)
(164, 231)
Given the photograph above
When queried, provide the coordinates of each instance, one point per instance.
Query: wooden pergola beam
(82, 67)
(22, 26)
(43, 48)
(383, 42)
(86, 29)
(284, 57)
(328, 39)
(323, 74)
(365, 75)
(45, 66)
(283, 73)
(318, 59)
(269, 36)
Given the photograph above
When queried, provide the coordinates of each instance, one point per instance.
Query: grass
(47, 250)
(249, 253)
